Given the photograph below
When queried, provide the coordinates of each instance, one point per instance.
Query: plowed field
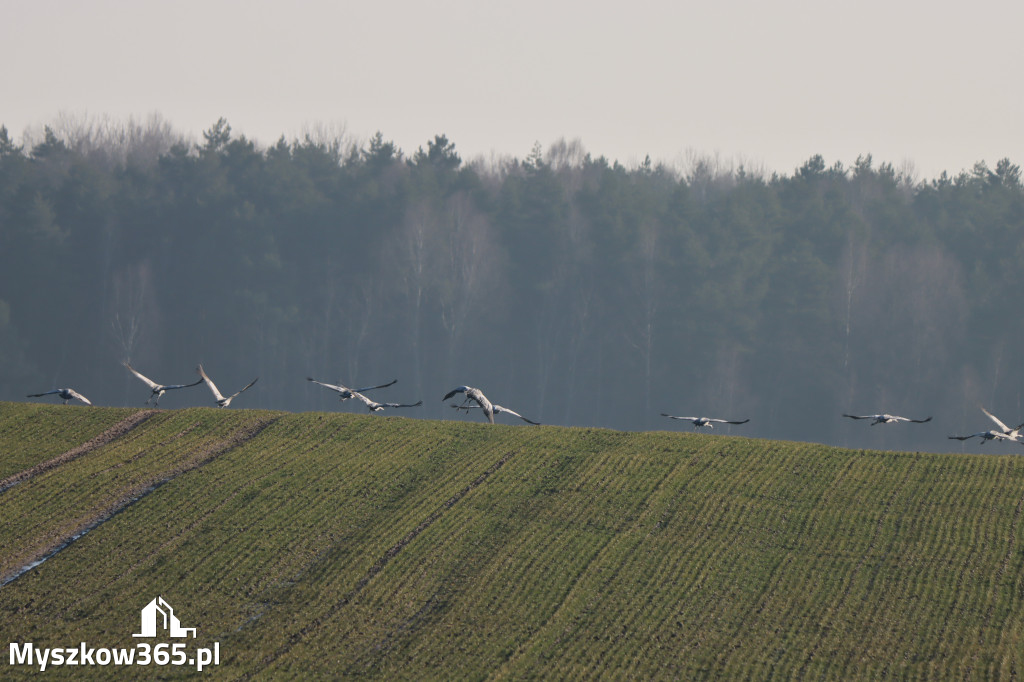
(329, 545)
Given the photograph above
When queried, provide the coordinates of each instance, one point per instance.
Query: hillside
(324, 545)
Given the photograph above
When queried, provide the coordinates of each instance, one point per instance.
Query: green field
(330, 545)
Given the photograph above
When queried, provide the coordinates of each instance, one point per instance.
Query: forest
(573, 289)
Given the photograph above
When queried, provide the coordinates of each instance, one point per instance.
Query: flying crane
(157, 390)
(221, 400)
(374, 406)
(887, 418)
(699, 422)
(486, 406)
(345, 393)
(1003, 433)
(498, 409)
(65, 394)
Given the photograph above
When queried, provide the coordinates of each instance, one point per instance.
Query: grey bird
(1003, 433)
(486, 406)
(65, 394)
(345, 393)
(498, 409)
(887, 419)
(477, 396)
(157, 390)
(374, 406)
(221, 400)
(698, 422)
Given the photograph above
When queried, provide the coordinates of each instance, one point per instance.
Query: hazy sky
(936, 83)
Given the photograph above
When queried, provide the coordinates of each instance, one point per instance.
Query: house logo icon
(159, 612)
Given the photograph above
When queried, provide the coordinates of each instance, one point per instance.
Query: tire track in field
(379, 565)
(195, 459)
(113, 433)
(209, 512)
(43, 541)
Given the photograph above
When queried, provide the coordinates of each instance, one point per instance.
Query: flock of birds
(157, 390)
(474, 399)
(1004, 432)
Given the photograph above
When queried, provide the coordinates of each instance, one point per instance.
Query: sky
(926, 86)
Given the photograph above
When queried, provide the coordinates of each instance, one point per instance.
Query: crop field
(329, 545)
(32, 432)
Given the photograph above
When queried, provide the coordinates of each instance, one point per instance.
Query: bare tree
(853, 266)
(109, 142)
(132, 309)
(579, 306)
(332, 138)
(909, 320)
(708, 175)
(646, 294)
(415, 262)
(470, 277)
(361, 302)
(566, 156)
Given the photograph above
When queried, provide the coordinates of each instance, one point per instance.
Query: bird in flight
(1003, 433)
(698, 422)
(344, 392)
(374, 406)
(991, 434)
(65, 394)
(887, 418)
(157, 390)
(221, 400)
(486, 406)
(498, 409)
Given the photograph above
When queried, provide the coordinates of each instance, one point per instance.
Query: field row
(45, 511)
(31, 433)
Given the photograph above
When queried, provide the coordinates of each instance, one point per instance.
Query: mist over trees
(573, 289)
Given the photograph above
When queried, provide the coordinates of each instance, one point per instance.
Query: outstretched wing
(340, 389)
(416, 404)
(1000, 424)
(146, 380)
(499, 409)
(864, 416)
(40, 395)
(973, 435)
(78, 396)
(726, 421)
(371, 404)
(917, 421)
(374, 405)
(211, 385)
(689, 419)
(370, 388)
(246, 388)
(460, 389)
(174, 386)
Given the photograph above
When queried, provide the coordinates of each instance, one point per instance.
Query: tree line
(574, 289)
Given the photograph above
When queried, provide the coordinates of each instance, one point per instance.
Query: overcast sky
(934, 83)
